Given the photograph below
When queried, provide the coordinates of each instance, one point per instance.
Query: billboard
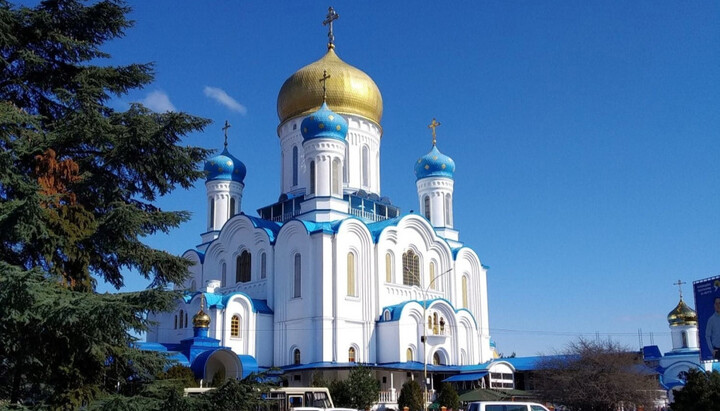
(707, 305)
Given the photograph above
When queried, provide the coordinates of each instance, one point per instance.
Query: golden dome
(682, 315)
(201, 320)
(349, 90)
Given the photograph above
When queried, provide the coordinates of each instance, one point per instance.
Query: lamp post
(425, 332)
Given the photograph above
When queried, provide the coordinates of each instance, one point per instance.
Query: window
(365, 167)
(351, 354)
(426, 207)
(386, 315)
(347, 164)
(465, 292)
(296, 356)
(388, 268)
(436, 359)
(335, 177)
(263, 265)
(684, 339)
(242, 270)
(295, 166)
(176, 321)
(408, 355)
(224, 274)
(186, 321)
(432, 284)
(193, 286)
(351, 275)
(312, 177)
(211, 206)
(448, 210)
(411, 268)
(297, 280)
(181, 318)
(232, 207)
(235, 326)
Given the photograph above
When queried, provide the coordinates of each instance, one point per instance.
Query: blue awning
(473, 376)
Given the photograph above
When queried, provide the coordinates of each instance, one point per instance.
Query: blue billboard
(707, 306)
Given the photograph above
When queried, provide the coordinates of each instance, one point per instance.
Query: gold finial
(324, 81)
(433, 126)
(679, 284)
(201, 319)
(225, 129)
(331, 16)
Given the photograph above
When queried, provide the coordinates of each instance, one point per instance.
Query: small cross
(679, 284)
(331, 16)
(433, 126)
(225, 129)
(324, 81)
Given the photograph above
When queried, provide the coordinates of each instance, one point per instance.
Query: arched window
(387, 316)
(297, 278)
(448, 210)
(312, 177)
(295, 166)
(235, 326)
(432, 284)
(335, 177)
(684, 339)
(211, 206)
(351, 354)
(436, 325)
(411, 268)
(182, 317)
(242, 269)
(426, 207)
(430, 322)
(347, 164)
(224, 274)
(232, 207)
(193, 285)
(263, 265)
(176, 321)
(296, 356)
(351, 291)
(365, 166)
(436, 359)
(465, 292)
(186, 321)
(388, 268)
(408, 355)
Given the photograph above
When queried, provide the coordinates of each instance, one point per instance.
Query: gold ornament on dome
(201, 319)
(682, 315)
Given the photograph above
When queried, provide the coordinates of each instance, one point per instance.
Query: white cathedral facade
(332, 274)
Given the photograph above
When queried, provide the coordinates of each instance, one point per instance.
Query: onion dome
(682, 315)
(201, 319)
(324, 123)
(225, 167)
(350, 90)
(434, 164)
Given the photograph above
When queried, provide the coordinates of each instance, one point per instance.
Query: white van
(505, 406)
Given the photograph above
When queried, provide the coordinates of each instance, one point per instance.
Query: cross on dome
(225, 129)
(323, 80)
(331, 16)
(680, 284)
(433, 125)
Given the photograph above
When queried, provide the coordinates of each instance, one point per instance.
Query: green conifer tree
(411, 396)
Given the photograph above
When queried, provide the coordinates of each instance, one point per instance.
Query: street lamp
(424, 338)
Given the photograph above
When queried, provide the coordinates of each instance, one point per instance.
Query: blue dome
(225, 167)
(434, 164)
(324, 123)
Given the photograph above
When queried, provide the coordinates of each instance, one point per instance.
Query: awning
(473, 376)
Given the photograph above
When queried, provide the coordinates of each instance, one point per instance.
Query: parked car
(505, 406)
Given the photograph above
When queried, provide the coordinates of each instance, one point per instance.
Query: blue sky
(586, 136)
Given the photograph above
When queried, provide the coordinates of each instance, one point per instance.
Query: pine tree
(77, 184)
(448, 397)
(701, 392)
(411, 396)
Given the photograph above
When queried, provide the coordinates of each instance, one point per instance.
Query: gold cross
(331, 16)
(225, 129)
(433, 126)
(679, 284)
(324, 81)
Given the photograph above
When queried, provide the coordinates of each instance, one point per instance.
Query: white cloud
(158, 101)
(223, 98)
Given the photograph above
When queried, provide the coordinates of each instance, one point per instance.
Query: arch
(296, 356)
(388, 267)
(436, 358)
(175, 322)
(432, 284)
(312, 177)
(351, 354)
(242, 268)
(335, 180)
(465, 291)
(351, 277)
(223, 277)
(448, 210)
(211, 207)
(235, 326)
(222, 360)
(182, 316)
(365, 166)
(294, 166)
(409, 355)
(297, 277)
(426, 207)
(231, 209)
(386, 316)
(347, 164)
(411, 268)
(263, 265)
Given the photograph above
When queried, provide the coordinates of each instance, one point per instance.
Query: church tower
(224, 187)
(435, 172)
(683, 323)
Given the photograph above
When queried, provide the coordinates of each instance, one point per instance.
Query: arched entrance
(225, 362)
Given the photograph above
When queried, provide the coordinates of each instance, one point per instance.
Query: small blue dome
(225, 167)
(324, 123)
(434, 164)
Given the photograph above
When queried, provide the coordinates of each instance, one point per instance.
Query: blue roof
(472, 376)
(324, 123)
(396, 310)
(527, 363)
(434, 164)
(377, 228)
(225, 167)
(271, 228)
(220, 301)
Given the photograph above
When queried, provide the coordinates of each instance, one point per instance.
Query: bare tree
(596, 376)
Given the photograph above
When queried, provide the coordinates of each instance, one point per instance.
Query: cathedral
(332, 274)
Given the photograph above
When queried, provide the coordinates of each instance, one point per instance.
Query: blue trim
(249, 365)
(219, 301)
(474, 376)
(396, 310)
(201, 255)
